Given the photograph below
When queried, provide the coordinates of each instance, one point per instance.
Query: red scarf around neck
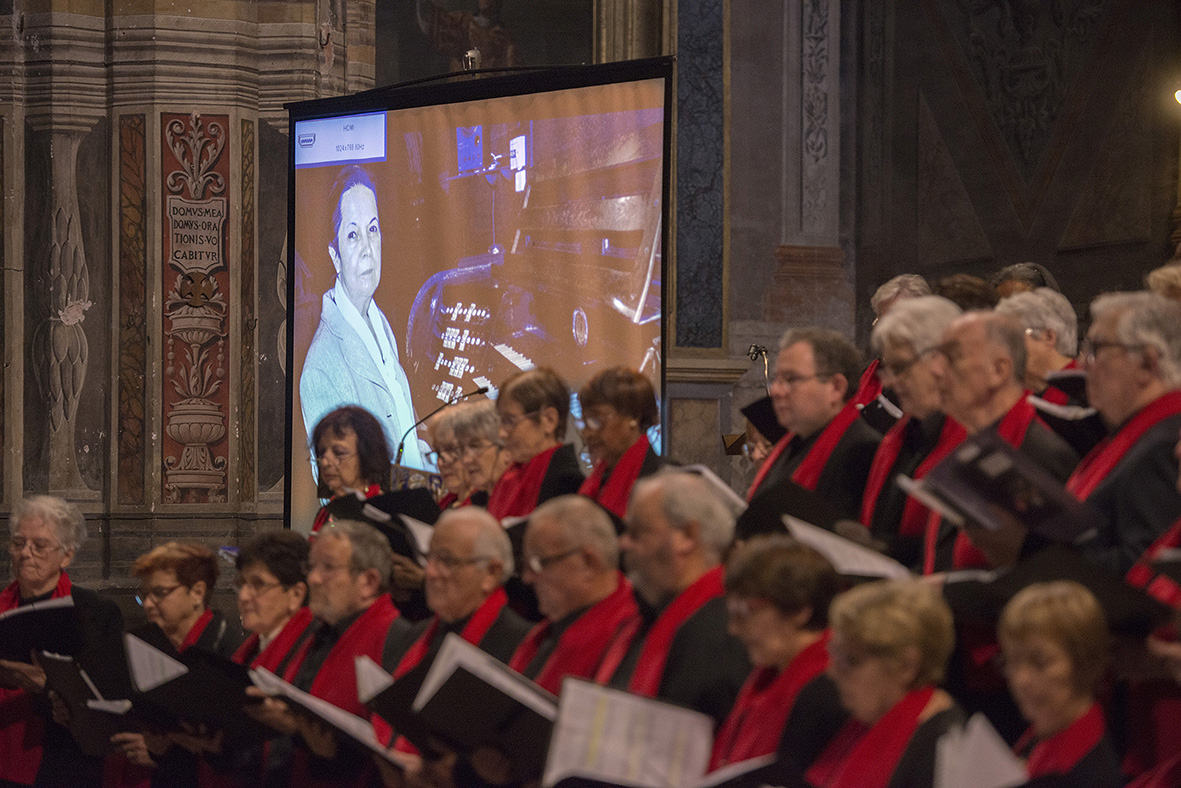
(613, 494)
(517, 490)
(1102, 460)
(277, 649)
(870, 385)
(196, 631)
(336, 680)
(1012, 428)
(654, 654)
(473, 632)
(763, 705)
(582, 646)
(1059, 753)
(1159, 586)
(914, 514)
(873, 755)
(22, 729)
(807, 474)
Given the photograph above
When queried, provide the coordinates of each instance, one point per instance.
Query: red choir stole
(322, 515)
(517, 491)
(1057, 395)
(807, 474)
(1167, 775)
(914, 514)
(870, 385)
(585, 642)
(763, 705)
(612, 495)
(473, 632)
(866, 758)
(22, 730)
(1059, 753)
(654, 653)
(1158, 586)
(1102, 460)
(336, 681)
(1012, 428)
(273, 654)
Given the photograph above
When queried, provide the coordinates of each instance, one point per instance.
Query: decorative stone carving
(133, 330)
(810, 287)
(815, 109)
(195, 308)
(246, 435)
(59, 348)
(1023, 55)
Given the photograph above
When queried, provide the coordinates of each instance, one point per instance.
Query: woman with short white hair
(45, 534)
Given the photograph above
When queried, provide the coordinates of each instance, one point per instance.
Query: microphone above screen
(447, 404)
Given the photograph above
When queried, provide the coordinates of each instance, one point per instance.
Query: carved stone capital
(809, 286)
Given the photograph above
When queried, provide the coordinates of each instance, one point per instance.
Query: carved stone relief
(133, 331)
(815, 109)
(246, 420)
(196, 283)
(1024, 56)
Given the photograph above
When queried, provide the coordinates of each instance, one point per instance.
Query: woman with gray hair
(1051, 337)
(905, 339)
(477, 441)
(45, 534)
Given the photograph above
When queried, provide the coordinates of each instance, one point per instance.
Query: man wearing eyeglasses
(677, 532)
(979, 368)
(571, 559)
(349, 570)
(828, 448)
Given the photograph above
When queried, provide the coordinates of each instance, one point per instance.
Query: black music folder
(52, 625)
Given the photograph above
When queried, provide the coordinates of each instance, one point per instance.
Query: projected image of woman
(353, 358)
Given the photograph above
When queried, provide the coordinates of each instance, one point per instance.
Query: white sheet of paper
(848, 558)
(457, 652)
(45, 604)
(734, 501)
(624, 738)
(372, 679)
(149, 666)
(976, 757)
(916, 490)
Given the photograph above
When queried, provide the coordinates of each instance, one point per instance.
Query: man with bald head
(979, 368)
(571, 558)
(677, 532)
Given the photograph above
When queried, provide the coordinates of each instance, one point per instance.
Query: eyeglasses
(257, 586)
(795, 380)
(537, 564)
(449, 563)
(155, 595)
(598, 421)
(897, 369)
(38, 547)
(476, 448)
(336, 455)
(444, 454)
(510, 422)
(1092, 347)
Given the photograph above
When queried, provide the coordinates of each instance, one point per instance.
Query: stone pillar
(629, 29)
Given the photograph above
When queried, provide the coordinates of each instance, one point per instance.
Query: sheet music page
(624, 738)
(730, 771)
(735, 501)
(936, 504)
(45, 604)
(976, 757)
(848, 558)
(457, 652)
(422, 536)
(372, 679)
(356, 727)
(150, 667)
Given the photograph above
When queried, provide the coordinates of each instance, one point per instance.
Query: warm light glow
(1177, 96)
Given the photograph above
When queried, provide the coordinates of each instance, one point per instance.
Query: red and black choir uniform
(240, 768)
(527, 485)
(1063, 406)
(911, 448)
(176, 768)
(833, 462)
(1130, 479)
(946, 547)
(875, 403)
(324, 667)
(408, 653)
(325, 510)
(1081, 754)
(755, 725)
(612, 487)
(897, 751)
(32, 746)
(686, 655)
(586, 644)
